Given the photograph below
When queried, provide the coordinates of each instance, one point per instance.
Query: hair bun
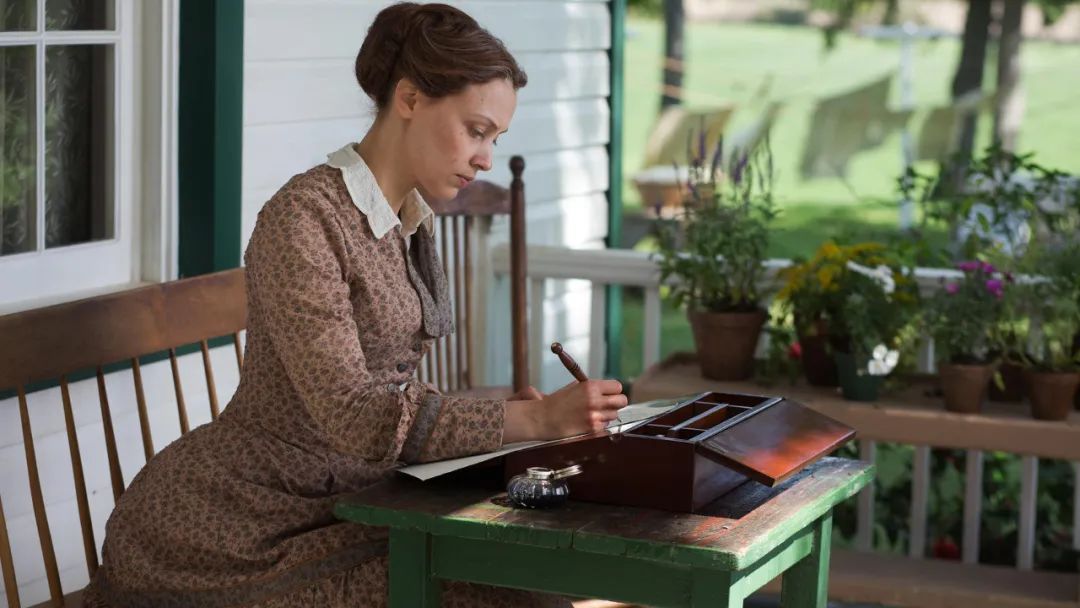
(382, 47)
(438, 47)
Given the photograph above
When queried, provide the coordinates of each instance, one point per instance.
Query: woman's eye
(478, 134)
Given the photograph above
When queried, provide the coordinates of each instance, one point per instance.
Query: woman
(345, 295)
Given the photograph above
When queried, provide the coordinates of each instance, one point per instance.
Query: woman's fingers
(608, 387)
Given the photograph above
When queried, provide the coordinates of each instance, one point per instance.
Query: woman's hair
(437, 47)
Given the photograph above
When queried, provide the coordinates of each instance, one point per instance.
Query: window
(69, 151)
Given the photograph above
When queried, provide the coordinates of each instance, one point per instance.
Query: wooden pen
(568, 362)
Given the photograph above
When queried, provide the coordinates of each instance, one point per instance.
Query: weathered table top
(742, 527)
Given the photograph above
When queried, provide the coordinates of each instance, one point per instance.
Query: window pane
(18, 15)
(79, 15)
(18, 166)
(78, 151)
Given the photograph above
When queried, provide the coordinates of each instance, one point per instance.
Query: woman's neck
(382, 153)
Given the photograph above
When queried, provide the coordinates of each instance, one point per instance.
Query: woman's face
(451, 139)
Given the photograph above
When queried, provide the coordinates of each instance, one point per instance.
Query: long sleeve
(299, 261)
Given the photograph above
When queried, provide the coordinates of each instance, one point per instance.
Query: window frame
(144, 129)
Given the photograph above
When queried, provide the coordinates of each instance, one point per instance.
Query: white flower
(883, 361)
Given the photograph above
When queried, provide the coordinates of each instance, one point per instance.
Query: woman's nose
(482, 161)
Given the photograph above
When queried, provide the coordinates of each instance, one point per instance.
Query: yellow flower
(825, 276)
(829, 249)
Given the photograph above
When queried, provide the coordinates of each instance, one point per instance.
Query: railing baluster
(110, 437)
(459, 308)
(864, 524)
(181, 409)
(144, 416)
(920, 492)
(89, 547)
(52, 573)
(537, 296)
(466, 328)
(651, 339)
(211, 387)
(1076, 505)
(973, 486)
(239, 350)
(925, 362)
(7, 563)
(1029, 488)
(596, 330)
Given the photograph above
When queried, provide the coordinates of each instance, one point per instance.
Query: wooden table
(441, 530)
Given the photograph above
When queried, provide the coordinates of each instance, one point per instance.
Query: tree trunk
(969, 73)
(892, 12)
(1009, 105)
(674, 33)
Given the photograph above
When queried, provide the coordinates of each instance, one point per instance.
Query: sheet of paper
(628, 416)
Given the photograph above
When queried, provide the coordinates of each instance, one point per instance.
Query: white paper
(628, 416)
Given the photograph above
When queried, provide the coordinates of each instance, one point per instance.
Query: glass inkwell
(540, 487)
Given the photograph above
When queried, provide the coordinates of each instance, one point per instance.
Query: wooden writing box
(687, 457)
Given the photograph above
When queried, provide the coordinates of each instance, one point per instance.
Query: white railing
(637, 269)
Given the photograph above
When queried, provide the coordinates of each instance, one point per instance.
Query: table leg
(713, 589)
(411, 582)
(806, 584)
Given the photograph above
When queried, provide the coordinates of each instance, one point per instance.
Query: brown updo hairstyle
(437, 47)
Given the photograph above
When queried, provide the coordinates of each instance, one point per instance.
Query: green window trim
(211, 129)
(613, 330)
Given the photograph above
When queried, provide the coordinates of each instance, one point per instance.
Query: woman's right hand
(579, 407)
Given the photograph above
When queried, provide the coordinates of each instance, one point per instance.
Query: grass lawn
(728, 63)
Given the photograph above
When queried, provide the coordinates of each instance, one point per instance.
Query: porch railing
(1028, 438)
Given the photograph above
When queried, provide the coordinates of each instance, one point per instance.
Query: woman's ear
(406, 95)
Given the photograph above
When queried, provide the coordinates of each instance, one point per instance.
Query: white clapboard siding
(301, 101)
(320, 29)
(325, 89)
(54, 463)
(274, 152)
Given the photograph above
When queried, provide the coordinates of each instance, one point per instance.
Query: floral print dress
(344, 299)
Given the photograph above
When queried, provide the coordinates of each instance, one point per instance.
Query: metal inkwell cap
(540, 487)
(546, 473)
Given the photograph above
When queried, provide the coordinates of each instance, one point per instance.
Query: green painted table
(452, 531)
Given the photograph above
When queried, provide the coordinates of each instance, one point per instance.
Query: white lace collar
(371, 201)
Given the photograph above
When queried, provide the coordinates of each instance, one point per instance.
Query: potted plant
(712, 255)
(961, 319)
(876, 304)
(1051, 361)
(812, 294)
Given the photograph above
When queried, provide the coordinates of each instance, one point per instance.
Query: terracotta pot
(1051, 393)
(1012, 375)
(817, 363)
(853, 385)
(726, 342)
(965, 386)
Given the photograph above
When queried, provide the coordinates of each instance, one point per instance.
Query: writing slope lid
(774, 441)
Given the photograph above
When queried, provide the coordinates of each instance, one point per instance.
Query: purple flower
(988, 268)
(996, 287)
(951, 288)
(968, 266)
